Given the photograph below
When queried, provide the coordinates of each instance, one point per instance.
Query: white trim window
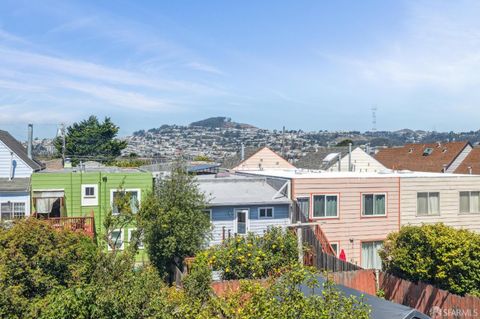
(241, 221)
(370, 257)
(470, 202)
(325, 206)
(335, 247)
(374, 204)
(89, 195)
(116, 236)
(135, 198)
(428, 203)
(12, 210)
(265, 213)
(141, 244)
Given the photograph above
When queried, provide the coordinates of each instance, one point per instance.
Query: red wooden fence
(80, 224)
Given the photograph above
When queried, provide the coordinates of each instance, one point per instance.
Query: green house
(80, 198)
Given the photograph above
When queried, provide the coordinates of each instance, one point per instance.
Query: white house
(360, 162)
(16, 168)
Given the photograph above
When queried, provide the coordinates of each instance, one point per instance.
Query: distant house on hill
(360, 162)
(431, 157)
(264, 158)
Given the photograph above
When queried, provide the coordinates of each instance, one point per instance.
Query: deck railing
(76, 224)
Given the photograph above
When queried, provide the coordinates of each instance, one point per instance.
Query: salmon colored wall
(350, 229)
(267, 158)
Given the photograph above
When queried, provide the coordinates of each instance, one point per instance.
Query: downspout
(339, 162)
(10, 175)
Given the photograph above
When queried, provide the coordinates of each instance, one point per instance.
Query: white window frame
(122, 238)
(247, 220)
(12, 209)
(312, 203)
(374, 215)
(266, 217)
(130, 230)
(89, 200)
(428, 203)
(469, 202)
(114, 190)
(337, 250)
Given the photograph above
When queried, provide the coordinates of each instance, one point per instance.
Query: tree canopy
(91, 140)
(443, 256)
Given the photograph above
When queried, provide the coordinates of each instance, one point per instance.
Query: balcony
(84, 225)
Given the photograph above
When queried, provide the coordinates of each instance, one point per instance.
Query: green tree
(35, 260)
(446, 257)
(91, 139)
(173, 219)
(345, 142)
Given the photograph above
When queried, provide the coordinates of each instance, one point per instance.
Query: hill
(220, 122)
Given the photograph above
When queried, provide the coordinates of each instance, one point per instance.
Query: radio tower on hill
(374, 118)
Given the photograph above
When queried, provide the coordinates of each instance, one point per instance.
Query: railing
(322, 238)
(77, 224)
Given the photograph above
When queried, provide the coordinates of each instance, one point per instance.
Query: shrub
(436, 254)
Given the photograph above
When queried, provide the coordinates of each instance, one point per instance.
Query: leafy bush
(436, 254)
(254, 256)
(35, 260)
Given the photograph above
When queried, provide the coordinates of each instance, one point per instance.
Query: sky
(310, 65)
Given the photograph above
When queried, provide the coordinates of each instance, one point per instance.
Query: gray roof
(15, 185)
(17, 147)
(239, 190)
(314, 160)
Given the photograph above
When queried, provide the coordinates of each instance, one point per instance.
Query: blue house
(239, 204)
(16, 168)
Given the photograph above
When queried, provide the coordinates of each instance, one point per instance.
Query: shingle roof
(239, 190)
(314, 160)
(14, 185)
(411, 156)
(17, 147)
(473, 161)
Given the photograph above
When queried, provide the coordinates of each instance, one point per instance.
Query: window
(325, 206)
(370, 257)
(265, 212)
(428, 204)
(141, 245)
(12, 210)
(470, 202)
(335, 248)
(116, 237)
(241, 223)
(208, 212)
(303, 207)
(117, 197)
(374, 204)
(89, 195)
(427, 151)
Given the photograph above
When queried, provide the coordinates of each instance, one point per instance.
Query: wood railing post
(299, 243)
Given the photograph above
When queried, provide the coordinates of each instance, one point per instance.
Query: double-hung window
(374, 205)
(125, 199)
(325, 206)
(265, 212)
(12, 210)
(116, 239)
(370, 257)
(470, 202)
(428, 203)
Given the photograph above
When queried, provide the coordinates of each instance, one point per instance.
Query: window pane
(379, 204)
(134, 201)
(303, 208)
(422, 203)
(370, 256)
(464, 202)
(18, 210)
(6, 211)
(319, 206)
(475, 202)
(331, 205)
(241, 222)
(368, 204)
(433, 203)
(335, 248)
(263, 212)
(116, 237)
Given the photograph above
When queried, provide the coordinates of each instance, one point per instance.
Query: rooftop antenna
(374, 118)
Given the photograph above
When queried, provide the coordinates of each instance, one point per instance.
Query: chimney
(242, 153)
(30, 141)
(470, 170)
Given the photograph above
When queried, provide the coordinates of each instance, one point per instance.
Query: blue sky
(308, 65)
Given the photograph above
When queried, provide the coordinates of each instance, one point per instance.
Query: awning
(49, 193)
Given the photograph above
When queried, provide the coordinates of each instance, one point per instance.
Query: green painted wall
(71, 183)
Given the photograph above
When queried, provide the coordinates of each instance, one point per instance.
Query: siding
(264, 159)
(21, 169)
(449, 188)
(224, 217)
(361, 162)
(350, 229)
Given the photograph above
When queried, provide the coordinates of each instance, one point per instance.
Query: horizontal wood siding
(21, 169)
(225, 217)
(449, 188)
(350, 229)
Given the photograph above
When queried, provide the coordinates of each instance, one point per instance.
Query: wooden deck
(85, 225)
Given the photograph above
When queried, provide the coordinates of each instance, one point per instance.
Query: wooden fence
(426, 298)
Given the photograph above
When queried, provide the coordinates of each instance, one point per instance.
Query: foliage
(345, 142)
(202, 158)
(437, 254)
(36, 260)
(173, 219)
(130, 162)
(255, 256)
(198, 282)
(90, 139)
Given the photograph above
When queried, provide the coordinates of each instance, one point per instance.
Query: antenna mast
(374, 118)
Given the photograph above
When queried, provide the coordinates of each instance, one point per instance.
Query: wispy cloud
(204, 68)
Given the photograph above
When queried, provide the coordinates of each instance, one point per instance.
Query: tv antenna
(374, 118)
